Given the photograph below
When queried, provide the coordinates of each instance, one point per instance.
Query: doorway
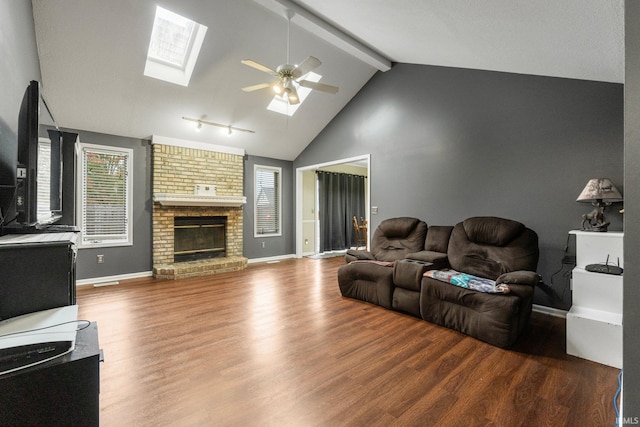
(307, 220)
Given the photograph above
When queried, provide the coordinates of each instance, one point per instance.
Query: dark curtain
(341, 197)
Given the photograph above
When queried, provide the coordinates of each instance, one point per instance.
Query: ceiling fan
(288, 76)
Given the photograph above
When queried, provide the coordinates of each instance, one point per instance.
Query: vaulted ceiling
(92, 57)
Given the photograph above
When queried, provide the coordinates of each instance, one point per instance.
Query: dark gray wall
(631, 318)
(274, 246)
(19, 64)
(124, 259)
(447, 144)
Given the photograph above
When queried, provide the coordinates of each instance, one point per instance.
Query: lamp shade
(600, 189)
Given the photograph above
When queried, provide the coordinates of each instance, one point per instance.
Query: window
(104, 188)
(267, 201)
(174, 47)
(48, 204)
(43, 192)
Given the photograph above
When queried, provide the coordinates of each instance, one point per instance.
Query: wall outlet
(263, 244)
(374, 210)
(100, 259)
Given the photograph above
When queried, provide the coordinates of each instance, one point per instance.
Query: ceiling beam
(326, 31)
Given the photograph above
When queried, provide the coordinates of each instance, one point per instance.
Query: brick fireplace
(178, 167)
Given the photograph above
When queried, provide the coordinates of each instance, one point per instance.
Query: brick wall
(176, 170)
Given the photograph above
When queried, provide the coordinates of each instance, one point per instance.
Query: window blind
(267, 201)
(44, 180)
(105, 196)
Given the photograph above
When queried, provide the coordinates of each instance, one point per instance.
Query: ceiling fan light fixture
(278, 88)
(288, 85)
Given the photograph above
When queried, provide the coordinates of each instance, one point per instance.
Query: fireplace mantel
(167, 199)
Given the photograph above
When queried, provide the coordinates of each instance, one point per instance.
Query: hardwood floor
(277, 345)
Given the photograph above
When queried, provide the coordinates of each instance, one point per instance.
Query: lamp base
(594, 220)
(602, 228)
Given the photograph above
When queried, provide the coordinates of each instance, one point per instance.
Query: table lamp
(600, 192)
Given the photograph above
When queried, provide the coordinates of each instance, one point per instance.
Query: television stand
(57, 228)
(41, 228)
(62, 391)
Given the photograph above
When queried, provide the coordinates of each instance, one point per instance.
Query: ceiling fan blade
(256, 87)
(318, 86)
(260, 67)
(307, 65)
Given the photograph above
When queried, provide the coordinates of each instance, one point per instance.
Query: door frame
(299, 195)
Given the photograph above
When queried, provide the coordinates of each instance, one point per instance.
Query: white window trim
(171, 73)
(80, 147)
(255, 201)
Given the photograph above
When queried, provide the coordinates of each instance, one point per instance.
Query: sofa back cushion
(490, 246)
(438, 238)
(396, 237)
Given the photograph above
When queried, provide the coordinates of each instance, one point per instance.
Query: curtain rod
(339, 173)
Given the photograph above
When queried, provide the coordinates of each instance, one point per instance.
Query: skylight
(174, 47)
(280, 105)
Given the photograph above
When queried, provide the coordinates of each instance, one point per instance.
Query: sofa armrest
(524, 292)
(438, 259)
(353, 255)
(520, 277)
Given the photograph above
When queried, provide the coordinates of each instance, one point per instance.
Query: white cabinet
(594, 322)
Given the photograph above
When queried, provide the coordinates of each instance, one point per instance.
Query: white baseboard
(271, 259)
(116, 278)
(550, 311)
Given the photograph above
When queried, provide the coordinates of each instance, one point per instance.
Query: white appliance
(35, 338)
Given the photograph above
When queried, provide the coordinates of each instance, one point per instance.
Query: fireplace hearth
(197, 238)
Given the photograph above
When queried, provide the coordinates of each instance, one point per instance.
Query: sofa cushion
(398, 228)
(489, 246)
(438, 238)
(396, 237)
(491, 230)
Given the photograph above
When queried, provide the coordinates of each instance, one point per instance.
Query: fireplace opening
(197, 238)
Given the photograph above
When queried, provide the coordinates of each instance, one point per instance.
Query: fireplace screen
(199, 238)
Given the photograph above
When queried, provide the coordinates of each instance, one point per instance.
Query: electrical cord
(85, 325)
(566, 260)
(615, 398)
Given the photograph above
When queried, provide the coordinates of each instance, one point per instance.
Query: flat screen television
(38, 197)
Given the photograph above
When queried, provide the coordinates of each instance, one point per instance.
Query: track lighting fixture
(229, 128)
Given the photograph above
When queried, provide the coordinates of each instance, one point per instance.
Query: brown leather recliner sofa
(369, 276)
(501, 250)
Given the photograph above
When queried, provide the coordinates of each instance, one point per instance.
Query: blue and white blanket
(468, 281)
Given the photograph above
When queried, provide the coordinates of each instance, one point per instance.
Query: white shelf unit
(594, 322)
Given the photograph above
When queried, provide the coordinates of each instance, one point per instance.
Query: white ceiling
(92, 55)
